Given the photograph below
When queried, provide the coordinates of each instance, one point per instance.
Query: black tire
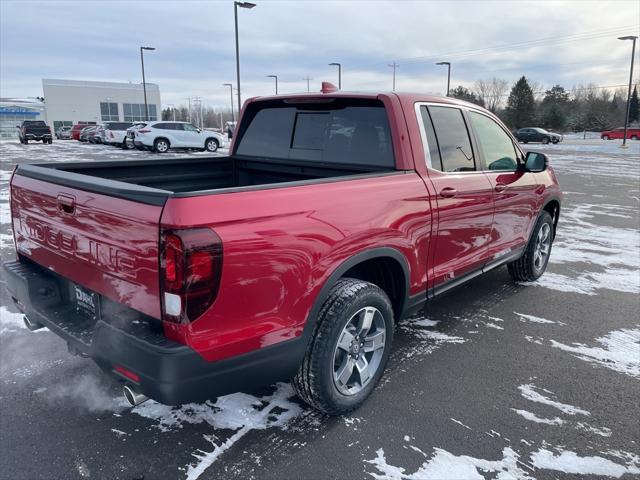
(525, 141)
(605, 137)
(524, 269)
(211, 144)
(161, 145)
(314, 383)
(554, 141)
(545, 140)
(26, 141)
(127, 146)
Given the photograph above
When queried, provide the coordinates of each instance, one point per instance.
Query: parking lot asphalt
(494, 380)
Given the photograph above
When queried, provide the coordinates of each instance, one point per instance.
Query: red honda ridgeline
(334, 216)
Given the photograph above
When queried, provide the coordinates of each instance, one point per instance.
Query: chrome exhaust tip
(33, 326)
(133, 396)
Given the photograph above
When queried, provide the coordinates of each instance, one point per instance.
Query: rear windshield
(345, 132)
(117, 125)
(34, 123)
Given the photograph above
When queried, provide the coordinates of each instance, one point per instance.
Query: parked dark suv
(535, 134)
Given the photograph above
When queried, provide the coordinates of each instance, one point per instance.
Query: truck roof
(403, 96)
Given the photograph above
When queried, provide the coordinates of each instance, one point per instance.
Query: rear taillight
(144, 131)
(190, 270)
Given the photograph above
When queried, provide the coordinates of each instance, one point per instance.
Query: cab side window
(496, 146)
(452, 138)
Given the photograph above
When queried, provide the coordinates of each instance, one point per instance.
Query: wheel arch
(552, 206)
(369, 266)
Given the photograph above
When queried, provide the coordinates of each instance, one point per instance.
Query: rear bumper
(33, 136)
(166, 371)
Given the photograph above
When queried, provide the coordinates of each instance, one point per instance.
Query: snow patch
(528, 392)
(602, 431)
(447, 466)
(534, 319)
(571, 462)
(620, 351)
(239, 411)
(532, 417)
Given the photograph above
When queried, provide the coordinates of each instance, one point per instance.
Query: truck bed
(152, 181)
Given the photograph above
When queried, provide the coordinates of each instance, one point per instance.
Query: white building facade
(69, 102)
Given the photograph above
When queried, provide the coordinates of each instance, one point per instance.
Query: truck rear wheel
(349, 349)
(532, 264)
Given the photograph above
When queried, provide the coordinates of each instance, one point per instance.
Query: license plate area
(87, 302)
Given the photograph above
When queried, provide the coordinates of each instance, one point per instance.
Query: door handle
(66, 204)
(448, 192)
(500, 187)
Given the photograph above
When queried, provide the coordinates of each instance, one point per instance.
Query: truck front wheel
(532, 264)
(349, 349)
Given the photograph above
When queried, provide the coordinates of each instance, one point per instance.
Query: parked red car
(76, 129)
(334, 216)
(618, 133)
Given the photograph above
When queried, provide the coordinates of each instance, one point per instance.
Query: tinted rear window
(117, 125)
(34, 123)
(352, 132)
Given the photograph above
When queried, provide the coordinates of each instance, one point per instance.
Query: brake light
(190, 270)
(144, 131)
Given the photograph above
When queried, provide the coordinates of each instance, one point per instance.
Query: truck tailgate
(105, 244)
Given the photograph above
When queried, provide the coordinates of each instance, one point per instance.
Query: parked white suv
(161, 136)
(115, 133)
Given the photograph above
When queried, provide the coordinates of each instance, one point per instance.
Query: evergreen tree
(554, 108)
(463, 93)
(520, 109)
(634, 114)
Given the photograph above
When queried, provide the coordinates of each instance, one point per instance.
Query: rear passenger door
(464, 195)
(514, 190)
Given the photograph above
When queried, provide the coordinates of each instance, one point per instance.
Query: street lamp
(276, 77)
(626, 119)
(230, 85)
(448, 64)
(144, 83)
(235, 12)
(336, 64)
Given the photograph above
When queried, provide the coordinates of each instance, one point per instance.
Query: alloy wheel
(359, 350)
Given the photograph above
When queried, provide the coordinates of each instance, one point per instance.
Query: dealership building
(68, 102)
(14, 110)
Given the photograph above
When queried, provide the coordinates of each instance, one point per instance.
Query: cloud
(196, 51)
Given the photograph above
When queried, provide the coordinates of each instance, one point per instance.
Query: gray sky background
(195, 53)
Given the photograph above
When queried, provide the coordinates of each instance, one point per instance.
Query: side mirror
(536, 162)
(199, 131)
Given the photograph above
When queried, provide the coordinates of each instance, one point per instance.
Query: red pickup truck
(334, 216)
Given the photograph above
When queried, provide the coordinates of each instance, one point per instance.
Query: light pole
(308, 79)
(626, 119)
(336, 64)
(276, 77)
(448, 64)
(144, 83)
(235, 12)
(230, 85)
(394, 65)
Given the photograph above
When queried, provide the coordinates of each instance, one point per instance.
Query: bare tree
(492, 92)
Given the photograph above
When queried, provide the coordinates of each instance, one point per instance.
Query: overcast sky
(195, 53)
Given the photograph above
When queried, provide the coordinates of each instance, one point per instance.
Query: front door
(514, 190)
(464, 196)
